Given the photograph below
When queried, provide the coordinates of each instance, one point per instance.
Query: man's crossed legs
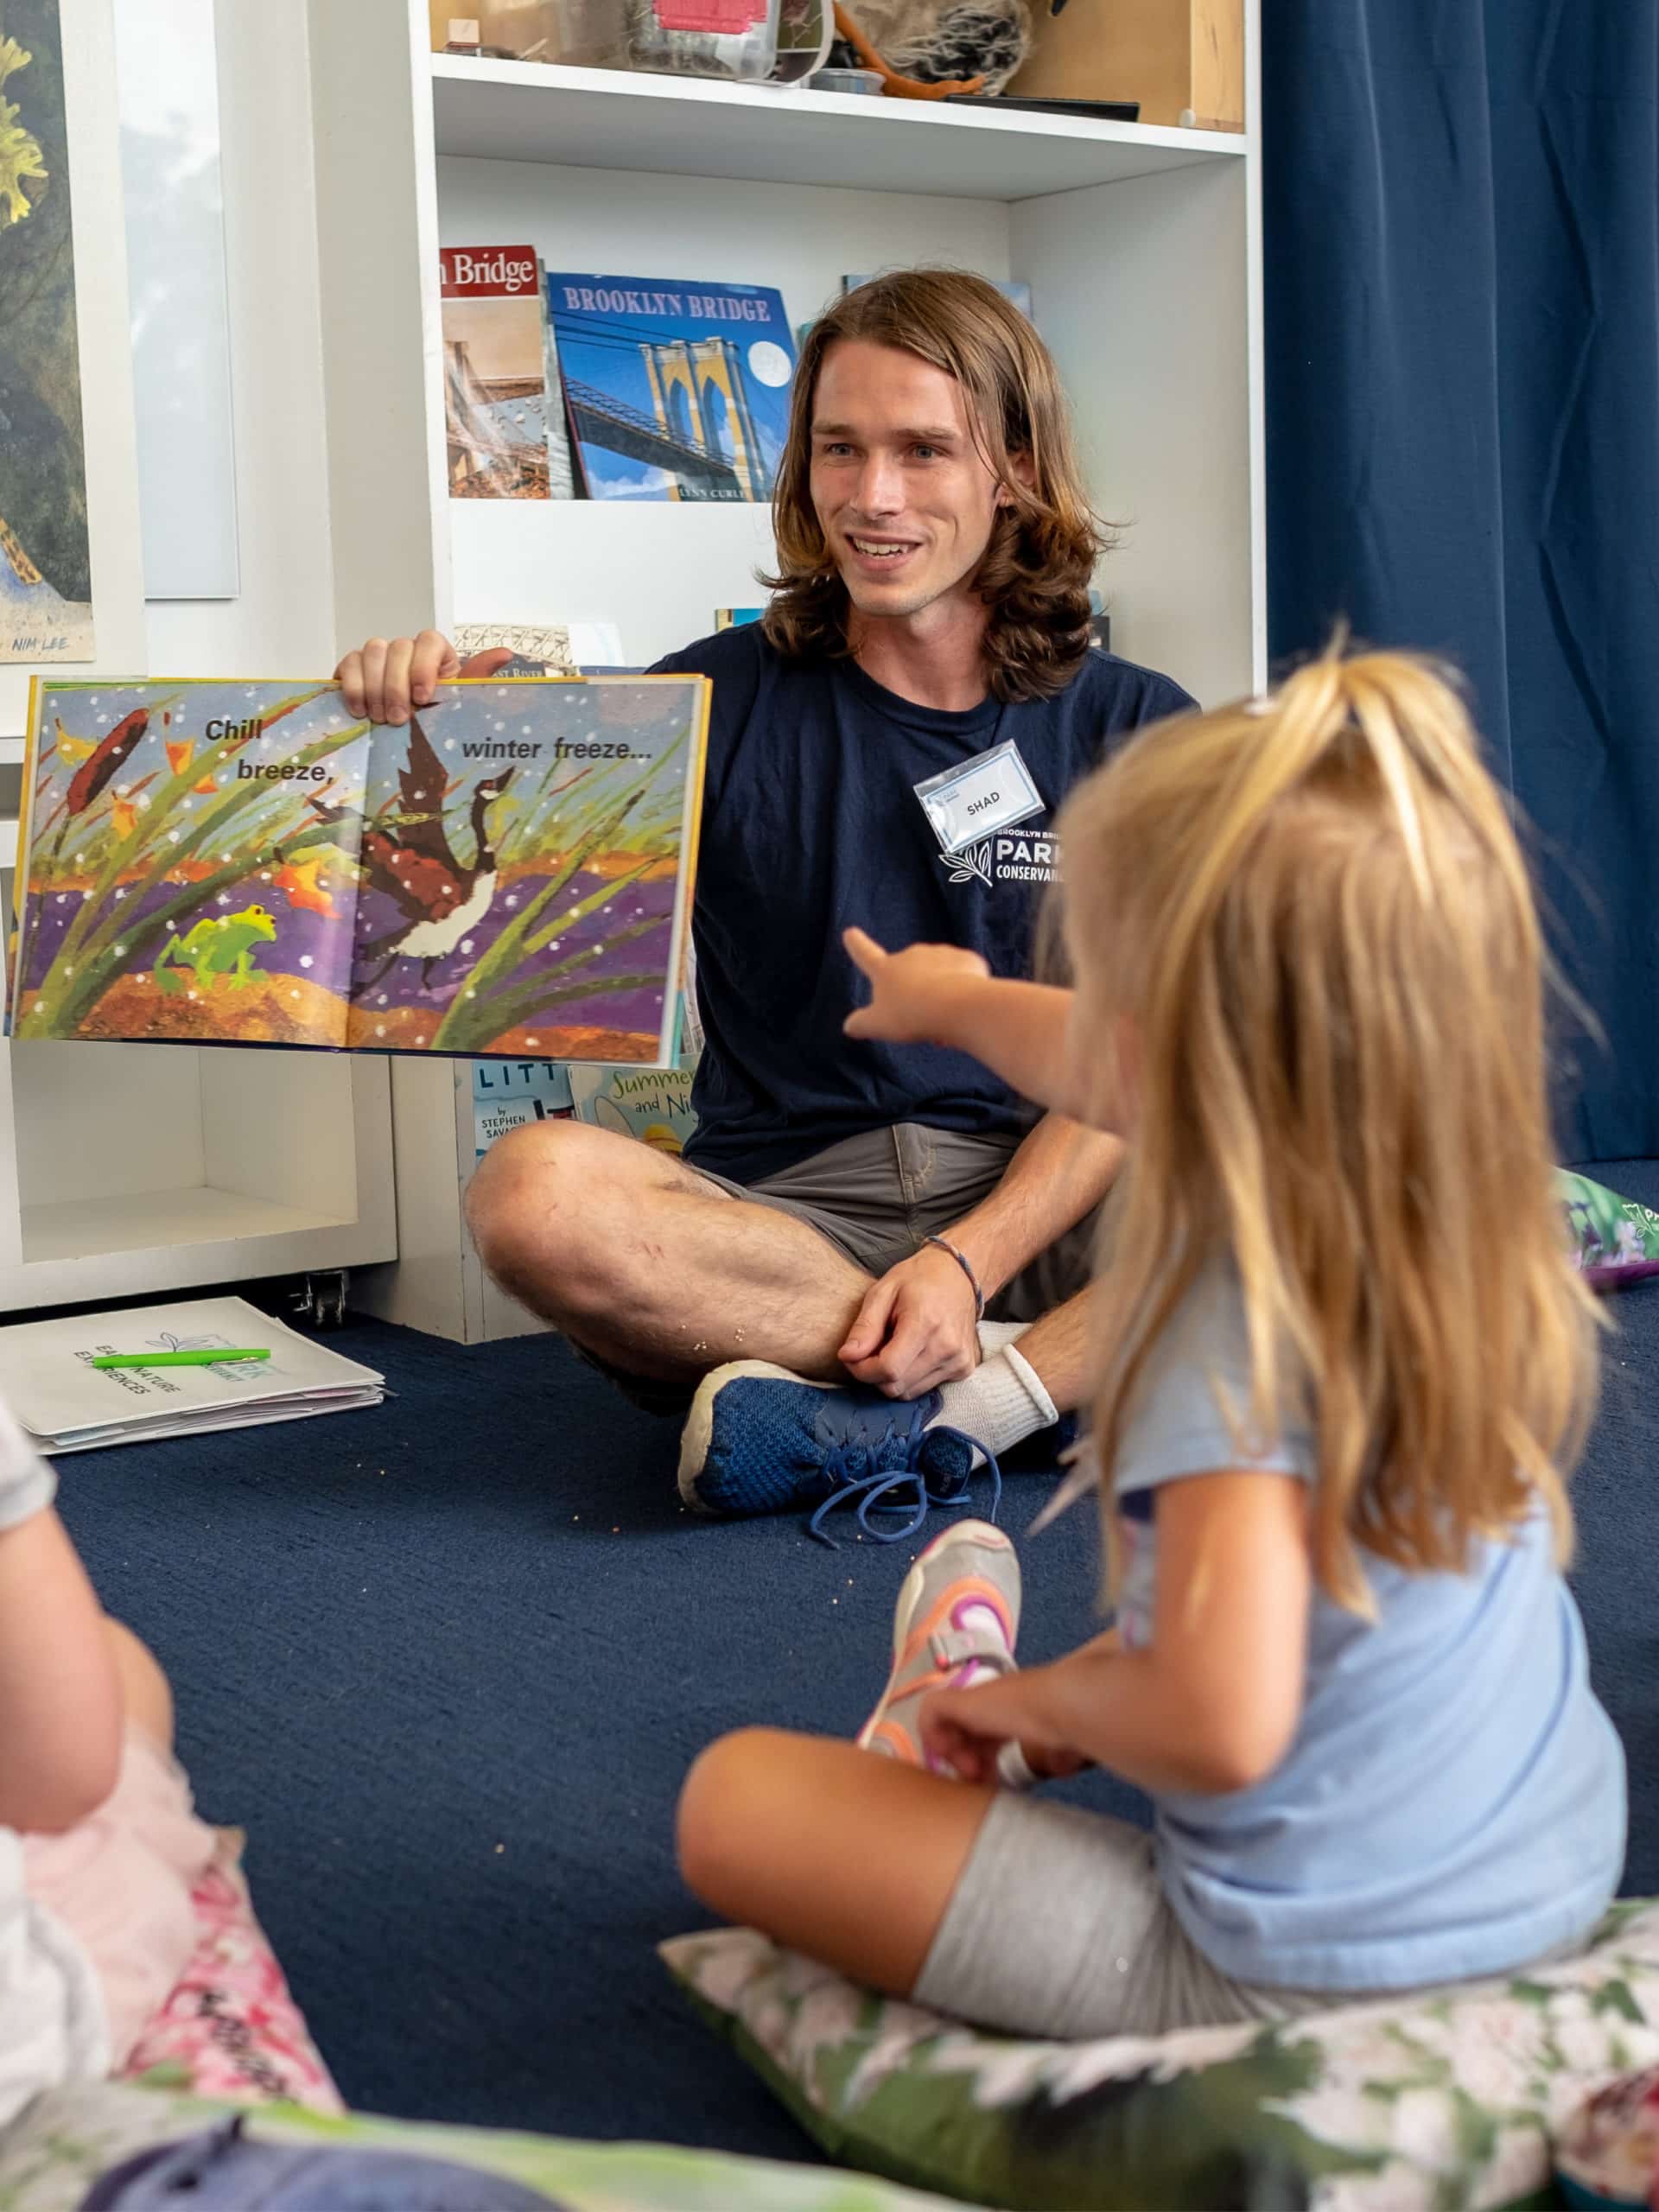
(699, 1298)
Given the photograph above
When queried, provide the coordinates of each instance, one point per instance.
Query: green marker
(172, 1358)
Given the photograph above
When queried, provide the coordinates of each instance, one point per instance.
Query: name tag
(989, 792)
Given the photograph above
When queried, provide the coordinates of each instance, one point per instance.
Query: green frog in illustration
(220, 945)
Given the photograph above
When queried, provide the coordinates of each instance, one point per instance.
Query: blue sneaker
(758, 1439)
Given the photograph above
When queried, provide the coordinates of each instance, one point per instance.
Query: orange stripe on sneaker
(941, 1678)
(893, 1742)
(968, 1589)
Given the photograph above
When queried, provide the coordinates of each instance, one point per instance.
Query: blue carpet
(448, 1662)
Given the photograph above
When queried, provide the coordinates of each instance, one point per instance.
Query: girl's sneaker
(956, 1624)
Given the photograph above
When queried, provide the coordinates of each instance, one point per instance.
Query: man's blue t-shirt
(811, 823)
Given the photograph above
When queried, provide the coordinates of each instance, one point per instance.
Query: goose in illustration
(411, 862)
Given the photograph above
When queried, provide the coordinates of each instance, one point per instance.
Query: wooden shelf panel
(77, 1229)
(690, 126)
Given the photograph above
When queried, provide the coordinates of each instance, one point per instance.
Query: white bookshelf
(763, 134)
(128, 1170)
(1142, 246)
(145, 1168)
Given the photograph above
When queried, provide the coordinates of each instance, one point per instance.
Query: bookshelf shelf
(145, 1223)
(686, 126)
(142, 1168)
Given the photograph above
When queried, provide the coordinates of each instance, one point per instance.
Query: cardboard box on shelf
(1183, 59)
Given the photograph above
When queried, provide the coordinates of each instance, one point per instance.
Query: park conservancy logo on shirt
(1008, 859)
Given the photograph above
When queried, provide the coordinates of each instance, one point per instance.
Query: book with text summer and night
(675, 389)
(509, 873)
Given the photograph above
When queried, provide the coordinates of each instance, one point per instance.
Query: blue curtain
(1462, 280)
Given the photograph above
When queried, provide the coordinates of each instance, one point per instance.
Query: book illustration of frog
(220, 945)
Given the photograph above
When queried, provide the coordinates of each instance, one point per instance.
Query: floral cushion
(1431, 2103)
(1614, 1242)
(106, 2134)
(230, 2027)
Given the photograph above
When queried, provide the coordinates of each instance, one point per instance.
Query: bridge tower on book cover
(698, 390)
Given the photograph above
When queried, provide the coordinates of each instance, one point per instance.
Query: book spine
(562, 479)
(504, 403)
(14, 959)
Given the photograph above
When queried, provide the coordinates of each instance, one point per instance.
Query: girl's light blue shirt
(1453, 1804)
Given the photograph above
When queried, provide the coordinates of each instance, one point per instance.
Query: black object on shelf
(1102, 111)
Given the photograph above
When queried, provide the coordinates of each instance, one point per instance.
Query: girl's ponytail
(1314, 913)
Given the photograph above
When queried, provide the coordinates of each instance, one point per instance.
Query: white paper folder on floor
(67, 1405)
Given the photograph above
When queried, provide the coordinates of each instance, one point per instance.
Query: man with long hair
(870, 1267)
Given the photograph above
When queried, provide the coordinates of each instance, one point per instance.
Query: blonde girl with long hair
(1344, 1366)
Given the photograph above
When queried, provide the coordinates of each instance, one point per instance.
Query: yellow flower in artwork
(21, 159)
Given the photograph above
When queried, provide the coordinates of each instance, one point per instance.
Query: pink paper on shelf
(725, 18)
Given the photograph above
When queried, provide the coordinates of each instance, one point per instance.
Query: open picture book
(510, 873)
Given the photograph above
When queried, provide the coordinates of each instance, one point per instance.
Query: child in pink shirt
(99, 1845)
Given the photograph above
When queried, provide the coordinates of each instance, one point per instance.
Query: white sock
(1000, 1403)
(1013, 1770)
(994, 1335)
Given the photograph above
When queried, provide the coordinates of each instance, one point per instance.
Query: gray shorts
(877, 1198)
(1059, 1927)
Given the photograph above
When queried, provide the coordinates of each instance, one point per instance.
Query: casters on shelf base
(321, 1302)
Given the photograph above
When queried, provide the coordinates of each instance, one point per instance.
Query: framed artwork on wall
(46, 590)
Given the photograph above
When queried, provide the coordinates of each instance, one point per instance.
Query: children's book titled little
(509, 873)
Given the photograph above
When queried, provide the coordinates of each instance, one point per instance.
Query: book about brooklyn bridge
(229, 862)
(675, 389)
